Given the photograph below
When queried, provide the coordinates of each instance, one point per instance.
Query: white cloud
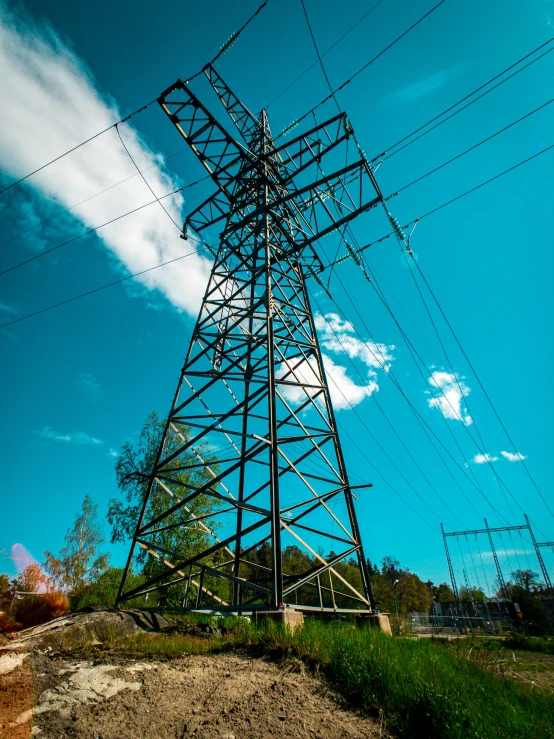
(344, 391)
(78, 438)
(337, 335)
(517, 457)
(112, 452)
(447, 392)
(483, 458)
(51, 103)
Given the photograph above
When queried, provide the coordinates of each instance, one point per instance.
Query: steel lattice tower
(254, 374)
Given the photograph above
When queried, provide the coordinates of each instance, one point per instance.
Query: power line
(356, 369)
(364, 455)
(455, 105)
(357, 23)
(489, 399)
(320, 60)
(475, 146)
(97, 194)
(98, 289)
(78, 146)
(89, 231)
(446, 204)
(168, 214)
(224, 48)
(365, 66)
(425, 215)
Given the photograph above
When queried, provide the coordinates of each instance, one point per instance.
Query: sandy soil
(210, 697)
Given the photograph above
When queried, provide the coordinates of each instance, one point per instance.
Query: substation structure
(499, 574)
(254, 380)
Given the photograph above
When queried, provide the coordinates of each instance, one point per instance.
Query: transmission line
(158, 200)
(425, 426)
(443, 205)
(89, 231)
(98, 289)
(455, 105)
(475, 374)
(357, 23)
(97, 194)
(361, 249)
(364, 67)
(475, 146)
(224, 48)
(356, 369)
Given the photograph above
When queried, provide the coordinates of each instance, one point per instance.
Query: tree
(443, 593)
(527, 580)
(472, 595)
(133, 467)
(79, 562)
(412, 594)
(526, 590)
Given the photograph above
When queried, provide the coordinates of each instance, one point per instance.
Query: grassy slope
(424, 688)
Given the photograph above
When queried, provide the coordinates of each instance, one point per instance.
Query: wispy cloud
(511, 457)
(112, 452)
(6, 308)
(425, 86)
(78, 438)
(506, 553)
(483, 458)
(53, 103)
(88, 384)
(448, 391)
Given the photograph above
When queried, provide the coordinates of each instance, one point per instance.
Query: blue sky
(78, 381)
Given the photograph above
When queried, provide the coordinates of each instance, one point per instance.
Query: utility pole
(254, 378)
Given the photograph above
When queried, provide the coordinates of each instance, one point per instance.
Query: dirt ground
(210, 697)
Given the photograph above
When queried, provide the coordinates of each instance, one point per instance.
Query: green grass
(425, 688)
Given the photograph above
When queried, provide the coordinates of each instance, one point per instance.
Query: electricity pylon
(254, 377)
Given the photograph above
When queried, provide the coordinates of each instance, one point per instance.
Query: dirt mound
(89, 626)
(215, 697)
(49, 692)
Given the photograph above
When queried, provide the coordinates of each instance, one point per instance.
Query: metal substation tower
(253, 386)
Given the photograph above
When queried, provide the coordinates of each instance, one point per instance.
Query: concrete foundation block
(292, 619)
(379, 621)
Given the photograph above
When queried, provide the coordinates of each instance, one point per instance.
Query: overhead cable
(59, 213)
(168, 214)
(357, 23)
(425, 215)
(446, 204)
(224, 48)
(364, 67)
(102, 287)
(88, 231)
(474, 371)
(386, 155)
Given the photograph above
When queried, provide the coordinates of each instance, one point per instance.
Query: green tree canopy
(443, 593)
(79, 562)
(180, 534)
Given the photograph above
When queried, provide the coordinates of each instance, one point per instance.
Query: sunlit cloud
(52, 102)
(483, 459)
(448, 391)
(78, 438)
(511, 457)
